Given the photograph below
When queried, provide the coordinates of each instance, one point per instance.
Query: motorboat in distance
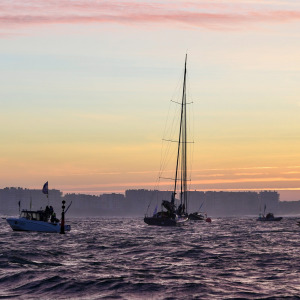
(198, 216)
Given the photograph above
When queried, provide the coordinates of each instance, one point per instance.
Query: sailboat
(176, 215)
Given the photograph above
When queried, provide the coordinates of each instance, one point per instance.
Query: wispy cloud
(242, 168)
(248, 174)
(291, 172)
(210, 175)
(246, 180)
(204, 14)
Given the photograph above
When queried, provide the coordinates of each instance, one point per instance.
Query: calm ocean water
(123, 258)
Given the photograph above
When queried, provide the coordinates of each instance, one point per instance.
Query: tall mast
(182, 144)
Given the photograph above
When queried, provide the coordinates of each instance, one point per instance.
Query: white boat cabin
(39, 215)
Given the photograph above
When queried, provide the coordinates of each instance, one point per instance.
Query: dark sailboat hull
(165, 221)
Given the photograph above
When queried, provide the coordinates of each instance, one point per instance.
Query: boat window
(39, 216)
(25, 214)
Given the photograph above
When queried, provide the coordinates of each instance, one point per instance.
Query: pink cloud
(205, 14)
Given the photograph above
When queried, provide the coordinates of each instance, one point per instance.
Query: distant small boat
(198, 216)
(268, 217)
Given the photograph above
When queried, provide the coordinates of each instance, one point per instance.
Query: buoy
(208, 220)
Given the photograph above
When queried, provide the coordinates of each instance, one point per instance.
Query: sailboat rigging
(174, 216)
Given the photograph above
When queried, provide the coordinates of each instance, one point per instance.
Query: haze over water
(122, 258)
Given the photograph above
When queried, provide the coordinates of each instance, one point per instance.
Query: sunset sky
(86, 89)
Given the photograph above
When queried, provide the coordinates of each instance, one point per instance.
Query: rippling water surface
(123, 258)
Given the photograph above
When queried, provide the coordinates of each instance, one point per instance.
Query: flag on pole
(45, 188)
(155, 210)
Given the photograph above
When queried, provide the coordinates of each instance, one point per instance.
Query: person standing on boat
(47, 212)
(53, 218)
